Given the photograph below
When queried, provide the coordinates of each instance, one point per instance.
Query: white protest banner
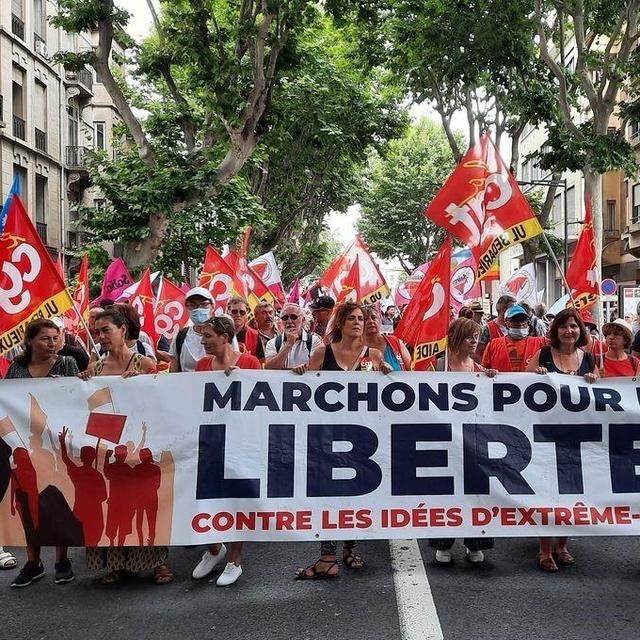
(274, 456)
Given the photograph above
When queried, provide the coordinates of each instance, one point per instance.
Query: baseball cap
(322, 302)
(199, 291)
(514, 311)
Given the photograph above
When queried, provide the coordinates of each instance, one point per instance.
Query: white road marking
(416, 608)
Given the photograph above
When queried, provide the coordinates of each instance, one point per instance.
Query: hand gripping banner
(260, 455)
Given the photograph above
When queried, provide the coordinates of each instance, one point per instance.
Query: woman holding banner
(616, 362)
(394, 351)
(462, 341)
(563, 354)
(120, 359)
(346, 351)
(39, 359)
(218, 335)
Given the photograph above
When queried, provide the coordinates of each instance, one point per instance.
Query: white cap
(199, 291)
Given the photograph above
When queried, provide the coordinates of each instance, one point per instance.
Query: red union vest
(499, 355)
(494, 330)
(251, 338)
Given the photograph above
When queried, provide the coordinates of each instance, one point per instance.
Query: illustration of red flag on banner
(30, 285)
(482, 205)
(144, 303)
(266, 268)
(103, 421)
(220, 279)
(350, 291)
(373, 286)
(425, 321)
(73, 318)
(171, 314)
(582, 272)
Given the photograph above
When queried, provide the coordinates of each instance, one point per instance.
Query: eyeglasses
(197, 305)
(238, 312)
(291, 316)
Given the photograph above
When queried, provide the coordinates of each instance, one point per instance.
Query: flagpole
(562, 274)
(84, 323)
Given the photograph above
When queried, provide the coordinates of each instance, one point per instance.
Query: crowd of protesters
(320, 337)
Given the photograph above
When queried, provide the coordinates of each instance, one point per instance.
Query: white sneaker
(230, 574)
(208, 563)
(443, 556)
(475, 557)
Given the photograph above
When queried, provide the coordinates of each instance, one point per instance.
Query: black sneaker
(64, 572)
(30, 572)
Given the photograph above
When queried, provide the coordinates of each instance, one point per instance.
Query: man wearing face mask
(511, 353)
(186, 349)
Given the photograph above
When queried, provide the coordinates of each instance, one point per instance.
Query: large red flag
(481, 204)
(144, 303)
(220, 279)
(350, 291)
(30, 285)
(582, 272)
(256, 289)
(373, 286)
(171, 314)
(425, 321)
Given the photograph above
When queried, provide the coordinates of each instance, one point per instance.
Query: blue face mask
(518, 334)
(198, 316)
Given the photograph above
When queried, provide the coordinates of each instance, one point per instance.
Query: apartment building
(50, 121)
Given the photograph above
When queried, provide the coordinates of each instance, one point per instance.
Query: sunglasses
(238, 312)
(291, 316)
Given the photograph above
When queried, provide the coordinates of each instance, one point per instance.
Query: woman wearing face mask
(511, 353)
(563, 354)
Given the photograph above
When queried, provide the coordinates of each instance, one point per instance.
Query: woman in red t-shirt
(616, 362)
(217, 335)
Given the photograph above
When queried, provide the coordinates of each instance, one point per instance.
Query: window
(571, 204)
(40, 106)
(525, 171)
(73, 125)
(41, 199)
(635, 207)
(72, 239)
(556, 214)
(17, 92)
(100, 136)
(634, 131)
(40, 19)
(610, 218)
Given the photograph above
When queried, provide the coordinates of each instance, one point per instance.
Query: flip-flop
(301, 574)
(7, 560)
(565, 559)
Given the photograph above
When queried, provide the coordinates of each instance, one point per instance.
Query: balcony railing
(17, 26)
(77, 157)
(41, 228)
(1, 108)
(41, 140)
(19, 128)
(86, 78)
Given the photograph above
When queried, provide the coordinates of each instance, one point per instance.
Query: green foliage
(396, 190)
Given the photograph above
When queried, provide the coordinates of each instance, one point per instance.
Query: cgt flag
(144, 303)
(80, 311)
(350, 291)
(266, 268)
(256, 290)
(582, 273)
(481, 204)
(171, 313)
(425, 321)
(30, 285)
(220, 279)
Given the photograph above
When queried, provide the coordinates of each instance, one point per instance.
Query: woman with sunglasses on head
(563, 354)
(346, 351)
(217, 339)
(393, 350)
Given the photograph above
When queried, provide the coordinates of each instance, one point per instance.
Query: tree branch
(581, 63)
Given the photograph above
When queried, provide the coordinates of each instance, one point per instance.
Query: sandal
(303, 574)
(548, 564)
(7, 560)
(162, 575)
(111, 577)
(564, 558)
(353, 560)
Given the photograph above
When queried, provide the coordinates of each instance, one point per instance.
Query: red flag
(373, 286)
(220, 279)
(425, 321)
(350, 291)
(73, 318)
(481, 204)
(60, 268)
(30, 285)
(256, 289)
(295, 293)
(582, 272)
(171, 314)
(144, 303)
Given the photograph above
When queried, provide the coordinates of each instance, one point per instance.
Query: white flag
(522, 285)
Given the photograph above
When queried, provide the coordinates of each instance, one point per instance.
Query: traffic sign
(609, 287)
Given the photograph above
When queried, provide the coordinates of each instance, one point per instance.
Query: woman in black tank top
(563, 354)
(345, 352)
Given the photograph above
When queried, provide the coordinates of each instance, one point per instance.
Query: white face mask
(199, 316)
(518, 334)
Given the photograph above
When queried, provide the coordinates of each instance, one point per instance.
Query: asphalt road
(506, 598)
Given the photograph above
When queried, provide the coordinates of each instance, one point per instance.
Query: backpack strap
(278, 342)
(308, 342)
(180, 338)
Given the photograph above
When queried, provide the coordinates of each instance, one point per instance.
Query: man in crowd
(186, 349)
(238, 309)
(265, 314)
(495, 328)
(293, 348)
(478, 312)
(511, 353)
(321, 308)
